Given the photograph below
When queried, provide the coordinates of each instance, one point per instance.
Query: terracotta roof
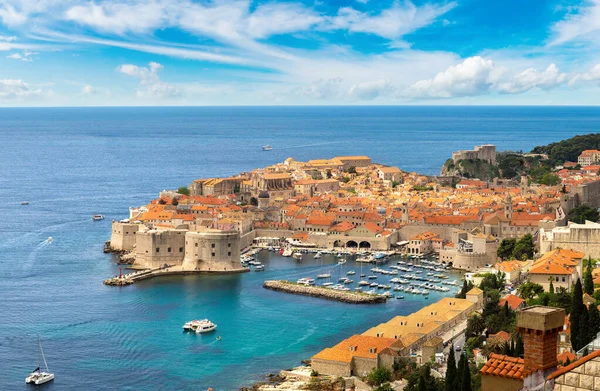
(475, 291)
(342, 227)
(513, 301)
(502, 335)
(574, 365)
(504, 366)
(562, 358)
(356, 346)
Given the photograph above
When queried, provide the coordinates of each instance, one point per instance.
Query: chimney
(539, 327)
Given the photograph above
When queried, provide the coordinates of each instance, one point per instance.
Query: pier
(352, 297)
(131, 278)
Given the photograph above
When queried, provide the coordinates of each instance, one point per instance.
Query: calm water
(72, 163)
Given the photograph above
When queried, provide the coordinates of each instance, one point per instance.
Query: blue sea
(72, 163)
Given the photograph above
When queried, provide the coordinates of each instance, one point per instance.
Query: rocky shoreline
(351, 297)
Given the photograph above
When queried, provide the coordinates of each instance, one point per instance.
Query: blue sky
(319, 52)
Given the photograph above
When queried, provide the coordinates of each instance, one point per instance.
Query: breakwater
(352, 297)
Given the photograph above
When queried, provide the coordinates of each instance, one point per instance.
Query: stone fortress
(485, 152)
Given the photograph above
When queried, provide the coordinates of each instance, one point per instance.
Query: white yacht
(306, 281)
(192, 324)
(297, 256)
(267, 148)
(324, 275)
(259, 268)
(317, 255)
(205, 326)
(351, 273)
(97, 217)
(341, 261)
(38, 376)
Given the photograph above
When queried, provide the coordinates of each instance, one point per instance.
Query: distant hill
(511, 165)
(568, 150)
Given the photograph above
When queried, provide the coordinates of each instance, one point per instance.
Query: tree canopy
(183, 190)
(582, 213)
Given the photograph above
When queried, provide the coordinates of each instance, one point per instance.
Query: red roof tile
(504, 366)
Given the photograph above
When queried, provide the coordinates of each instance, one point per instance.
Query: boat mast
(43, 357)
(38, 352)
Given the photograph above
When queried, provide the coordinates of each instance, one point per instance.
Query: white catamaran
(38, 376)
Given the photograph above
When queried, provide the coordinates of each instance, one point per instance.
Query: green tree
(506, 248)
(584, 330)
(162, 202)
(423, 372)
(594, 322)
(328, 173)
(582, 213)
(492, 281)
(379, 376)
(475, 325)
(524, 248)
(551, 287)
(384, 387)
(253, 201)
(174, 202)
(451, 375)
(422, 386)
(467, 286)
(183, 190)
(528, 290)
(464, 373)
(549, 179)
(588, 280)
(576, 317)
(352, 170)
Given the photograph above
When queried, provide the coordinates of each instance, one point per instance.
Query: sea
(71, 163)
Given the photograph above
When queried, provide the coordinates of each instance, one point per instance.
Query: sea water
(73, 163)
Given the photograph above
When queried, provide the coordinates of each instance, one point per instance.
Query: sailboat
(38, 376)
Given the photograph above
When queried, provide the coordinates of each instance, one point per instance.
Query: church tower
(508, 207)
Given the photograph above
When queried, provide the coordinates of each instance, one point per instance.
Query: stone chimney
(539, 327)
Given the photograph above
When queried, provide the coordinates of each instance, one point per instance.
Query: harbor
(352, 297)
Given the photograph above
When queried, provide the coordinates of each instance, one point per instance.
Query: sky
(299, 52)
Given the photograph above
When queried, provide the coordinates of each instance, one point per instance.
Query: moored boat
(97, 217)
(38, 376)
(205, 326)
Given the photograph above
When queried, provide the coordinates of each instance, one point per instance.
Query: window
(196, 244)
(158, 249)
(564, 279)
(180, 249)
(212, 245)
(228, 244)
(556, 278)
(229, 254)
(168, 249)
(213, 254)
(563, 338)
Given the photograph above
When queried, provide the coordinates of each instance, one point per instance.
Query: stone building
(212, 250)
(123, 235)
(482, 152)
(584, 238)
(588, 157)
(354, 161)
(216, 186)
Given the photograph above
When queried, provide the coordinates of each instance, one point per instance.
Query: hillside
(568, 150)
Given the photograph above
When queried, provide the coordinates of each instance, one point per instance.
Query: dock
(352, 297)
(140, 275)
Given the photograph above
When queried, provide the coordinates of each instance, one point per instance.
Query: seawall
(352, 297)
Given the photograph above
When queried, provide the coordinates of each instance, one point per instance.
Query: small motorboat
(399, 297)
(317, 255)
(324, 275)
(267, 148)
(306, 281)
(297, 256)
(97, 217)
(259, 268)
(24, 202)
(341, 261)
(38, 376)
(351, 273)
(49, 240)
(205, 326)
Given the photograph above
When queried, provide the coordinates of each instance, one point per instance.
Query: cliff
(470, 168)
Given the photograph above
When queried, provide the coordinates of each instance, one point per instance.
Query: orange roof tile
(362, 346)
(513, 301)
(504, 366)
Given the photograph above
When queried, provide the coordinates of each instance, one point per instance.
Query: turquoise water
(72, 163)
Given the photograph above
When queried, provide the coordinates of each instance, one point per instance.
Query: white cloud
(593, 74)
(584, 23)
(323, 89)
(531, 78)
(474, 76)
(119, 18)
(89, 90)
(391, 23)
(25, 56)
(371, 89)
(150, 84)
(16, 89)
(6, 38)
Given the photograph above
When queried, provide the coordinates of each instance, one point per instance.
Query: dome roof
(264, 194)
